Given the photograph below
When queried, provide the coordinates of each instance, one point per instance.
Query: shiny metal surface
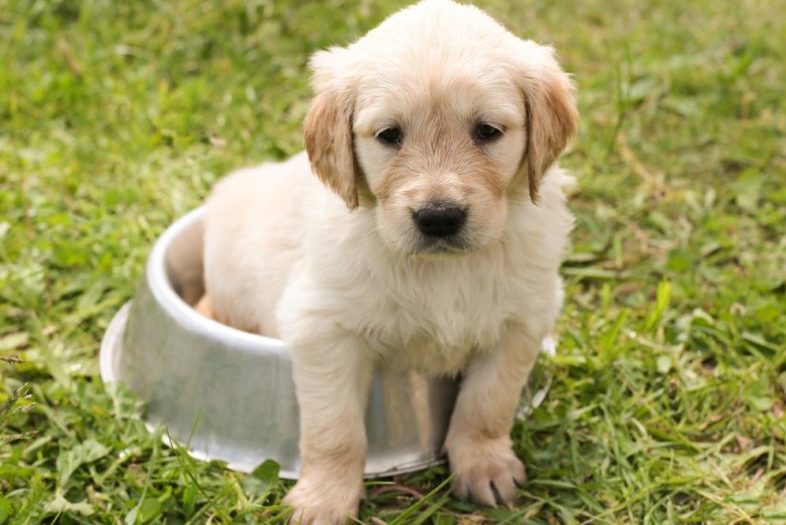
(229, 394)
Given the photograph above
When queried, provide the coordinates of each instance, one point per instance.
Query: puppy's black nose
(440, 221)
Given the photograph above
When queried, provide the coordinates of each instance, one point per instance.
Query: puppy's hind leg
(205, 307)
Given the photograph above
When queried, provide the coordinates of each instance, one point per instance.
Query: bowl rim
(161, 288)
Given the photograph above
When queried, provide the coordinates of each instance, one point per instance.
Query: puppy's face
(436, 119)
(438, 153)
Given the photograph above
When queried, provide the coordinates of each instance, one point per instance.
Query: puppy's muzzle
(440, 220)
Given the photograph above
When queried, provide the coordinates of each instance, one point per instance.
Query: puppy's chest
(436, 320)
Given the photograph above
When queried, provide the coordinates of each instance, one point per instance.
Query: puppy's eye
(391, 137)
(487, 133)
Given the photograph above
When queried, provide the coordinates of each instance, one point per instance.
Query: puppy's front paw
(323, 501)
(485, 470)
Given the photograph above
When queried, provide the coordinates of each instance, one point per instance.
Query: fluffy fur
(323, 251)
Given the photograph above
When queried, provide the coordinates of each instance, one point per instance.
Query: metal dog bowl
(229, 395)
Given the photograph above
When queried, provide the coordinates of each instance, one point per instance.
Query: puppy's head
(437, 118)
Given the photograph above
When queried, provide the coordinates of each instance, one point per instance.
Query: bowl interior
(184, 261)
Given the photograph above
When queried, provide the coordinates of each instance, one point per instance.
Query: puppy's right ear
(328, 127)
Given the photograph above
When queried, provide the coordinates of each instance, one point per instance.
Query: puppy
(423, 228)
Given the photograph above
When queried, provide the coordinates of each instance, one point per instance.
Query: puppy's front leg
(478, 442)
(332, 373)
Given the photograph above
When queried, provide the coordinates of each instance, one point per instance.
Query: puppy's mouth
(454, 245)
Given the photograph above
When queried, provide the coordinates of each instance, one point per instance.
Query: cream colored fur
(322, 250)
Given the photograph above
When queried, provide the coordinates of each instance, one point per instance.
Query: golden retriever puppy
(423, 228)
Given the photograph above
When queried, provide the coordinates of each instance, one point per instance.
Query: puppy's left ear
(552, 115)
(328, 128)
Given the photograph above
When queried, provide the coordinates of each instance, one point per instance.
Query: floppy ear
(552, 116)
(328, 131)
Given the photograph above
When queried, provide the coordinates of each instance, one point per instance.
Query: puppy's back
(253, 232)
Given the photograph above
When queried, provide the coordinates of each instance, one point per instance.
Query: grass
(669, 388)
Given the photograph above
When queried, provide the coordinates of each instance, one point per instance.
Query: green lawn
(670, 381)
